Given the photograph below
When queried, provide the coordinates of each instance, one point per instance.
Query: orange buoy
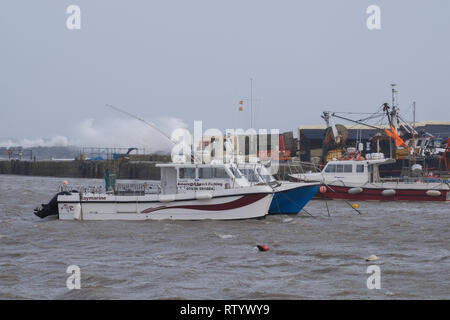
(262, 247)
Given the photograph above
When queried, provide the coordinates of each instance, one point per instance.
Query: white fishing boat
(186, 192)
(359, 179)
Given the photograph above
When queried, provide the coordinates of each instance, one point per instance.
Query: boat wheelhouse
(187, 177)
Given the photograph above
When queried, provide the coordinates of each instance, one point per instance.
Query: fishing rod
(140, 119)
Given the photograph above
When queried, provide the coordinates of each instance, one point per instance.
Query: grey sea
(311, 255)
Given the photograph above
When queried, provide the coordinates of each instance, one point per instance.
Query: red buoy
(322, 189)
(262, 247)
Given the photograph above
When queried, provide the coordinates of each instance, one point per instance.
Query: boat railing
(297, 167)
(411, 180)
(81, 188)
(117, 189)
(137, 188)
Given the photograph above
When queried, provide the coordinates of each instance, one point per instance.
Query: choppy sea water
(317, 257)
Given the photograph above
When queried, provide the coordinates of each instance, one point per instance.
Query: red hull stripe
(241, 202)
(337, 192)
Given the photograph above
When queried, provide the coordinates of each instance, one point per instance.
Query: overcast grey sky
(193, 59)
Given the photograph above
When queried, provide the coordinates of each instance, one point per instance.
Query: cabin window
(348, 168)
(339, 168)
(205, 173)
(250, 175)
(359, 168)
(186, 173)
(330, 168)
(212, 173)
(220, 173)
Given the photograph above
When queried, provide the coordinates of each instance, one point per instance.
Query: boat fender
(166, 198)
(355, 190)
(388, 192)
(433, 193)
(323, 189)
(203, 196)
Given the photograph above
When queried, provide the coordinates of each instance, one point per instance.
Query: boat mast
(393, 119)
(395, 110)
(413, 156)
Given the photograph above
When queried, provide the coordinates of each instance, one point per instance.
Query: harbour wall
(145, 170)
(140, 170)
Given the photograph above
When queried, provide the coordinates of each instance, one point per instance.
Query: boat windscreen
(235, 172)
(250, 175)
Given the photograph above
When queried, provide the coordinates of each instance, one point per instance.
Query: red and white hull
(230, 204)
(359, 180)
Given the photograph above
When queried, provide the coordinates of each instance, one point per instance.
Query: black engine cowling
(51, 208)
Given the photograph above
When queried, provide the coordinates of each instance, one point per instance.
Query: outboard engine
(51, 208)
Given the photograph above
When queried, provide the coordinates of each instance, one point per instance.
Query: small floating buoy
(262, 247)
(355, 206)
(64, 182)
(322, 189)
(355, 190)
(372, 258)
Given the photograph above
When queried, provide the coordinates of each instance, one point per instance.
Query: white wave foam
(224, 236)
(57, 141)
(110, 133)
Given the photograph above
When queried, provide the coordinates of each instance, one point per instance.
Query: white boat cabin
(352, 171)
(188, 177)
